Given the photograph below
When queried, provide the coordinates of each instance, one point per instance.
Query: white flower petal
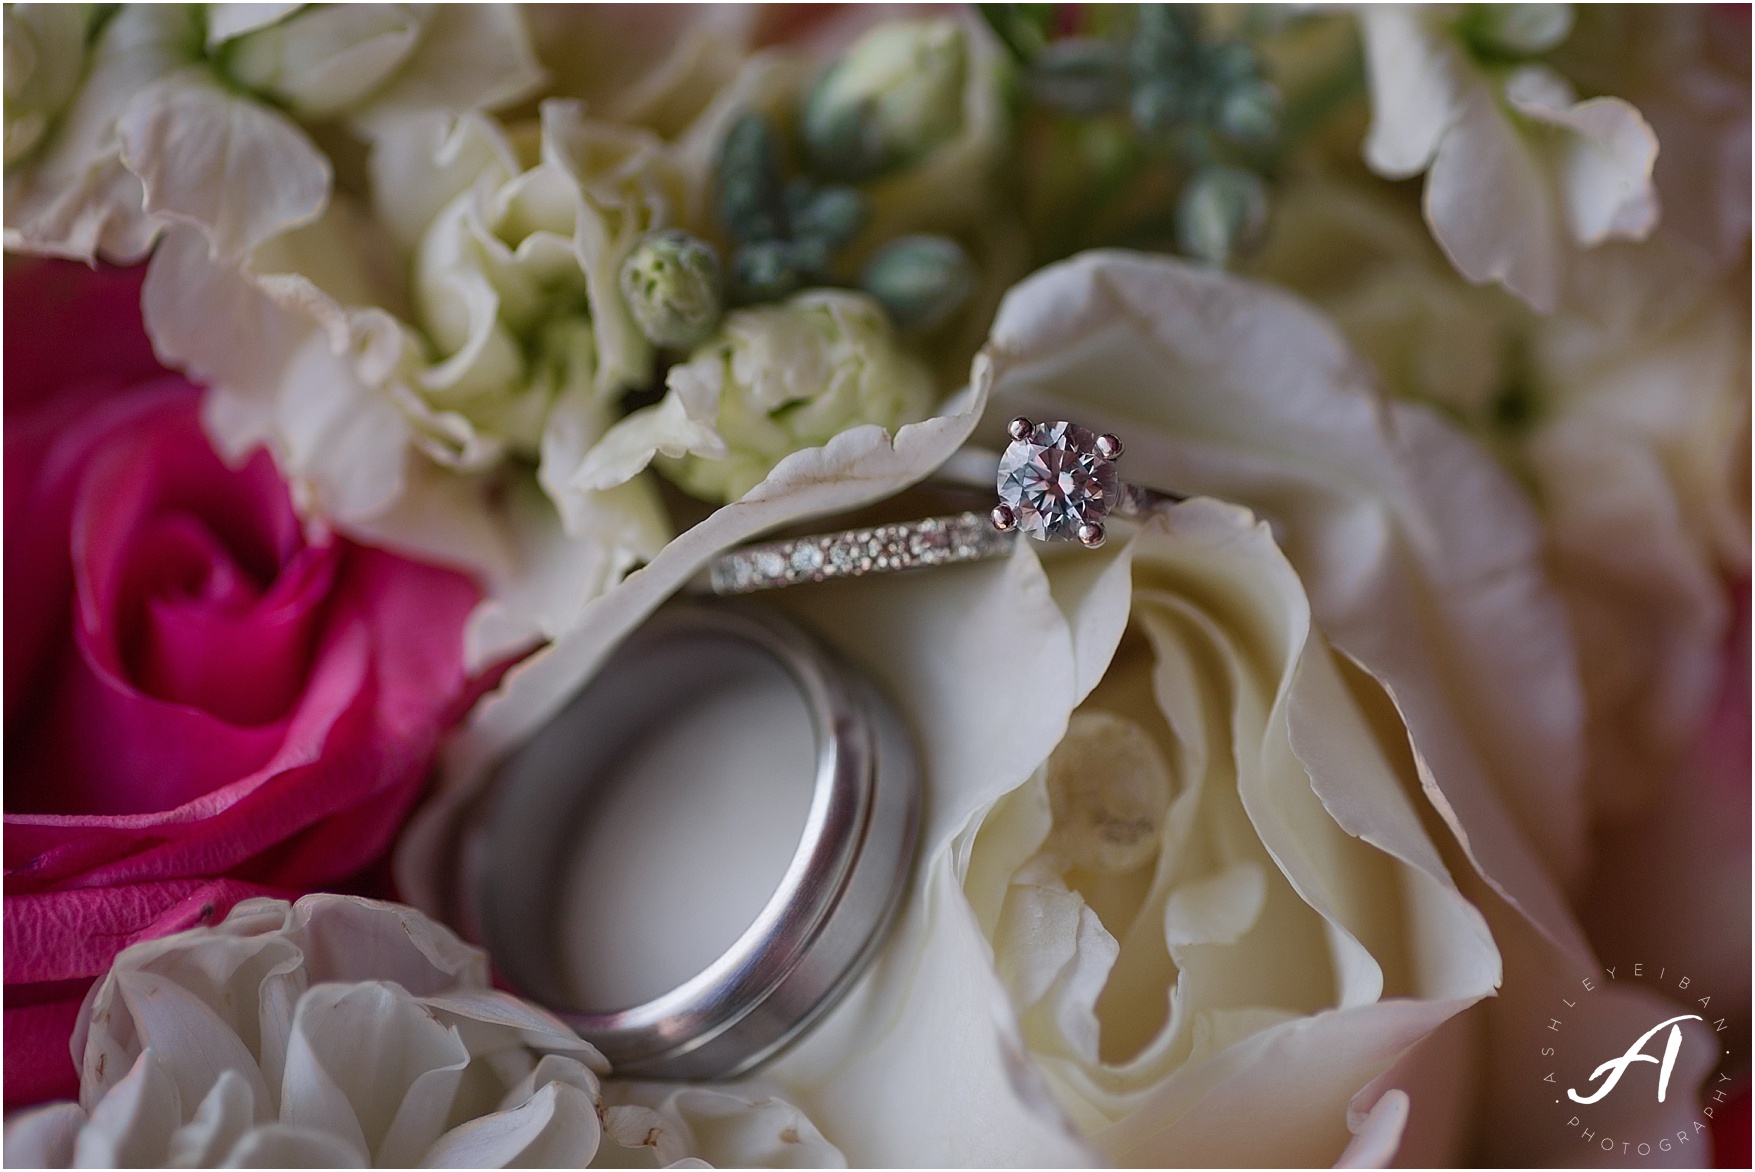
(134, 1123)
(1603, 161)
(74, 198)
(1415, 85)
(1376, 1139)
(557, 1127)
(368, 1065)
(736, 1126)
(419, 164)
(667, 427)
(235, 168)
(488, 1020)
(226, 21)
(279, 375)
(194, 1045)
(220, 1121)
(278, 1145)
(325, 60)
(44, 1136)
(470, 56)
(1490, 201)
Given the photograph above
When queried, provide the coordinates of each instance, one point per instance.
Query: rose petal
(1376, 1140)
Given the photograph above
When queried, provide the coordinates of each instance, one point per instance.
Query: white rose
(1519, 172)
(1412, 555)
(178, 118)
(777, 379)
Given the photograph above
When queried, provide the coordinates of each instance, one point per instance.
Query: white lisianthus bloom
(344, 1032)
(191, 113)
(776, 379)
(1397, 544)
(409, 365)
(1519, 173)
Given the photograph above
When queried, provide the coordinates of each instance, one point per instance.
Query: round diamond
(1054, 481)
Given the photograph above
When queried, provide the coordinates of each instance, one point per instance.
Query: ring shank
(905, 545)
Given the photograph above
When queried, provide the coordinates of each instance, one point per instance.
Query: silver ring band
(818, 930)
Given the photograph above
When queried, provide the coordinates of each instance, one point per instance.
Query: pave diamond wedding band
(1056, 482)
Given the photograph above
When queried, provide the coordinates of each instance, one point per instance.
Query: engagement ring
(1056, 482)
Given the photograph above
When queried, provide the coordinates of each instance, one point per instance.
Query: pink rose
(203, 700)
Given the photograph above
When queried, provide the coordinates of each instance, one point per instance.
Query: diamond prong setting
(1057, 481)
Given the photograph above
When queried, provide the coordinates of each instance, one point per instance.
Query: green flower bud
(1222, 211)
(919, 280)
(749, 180)
(892, 97)
(1249, 112)
(1517, 30)
(829, 215)
(1162, 36)
(765, 270)
(1079, 75)
(1158, 104)
(671, 285)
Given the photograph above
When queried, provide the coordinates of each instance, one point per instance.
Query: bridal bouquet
(373, 372)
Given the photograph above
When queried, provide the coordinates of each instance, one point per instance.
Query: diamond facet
(1054, 480)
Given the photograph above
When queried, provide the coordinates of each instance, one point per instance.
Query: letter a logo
(1616, 1067)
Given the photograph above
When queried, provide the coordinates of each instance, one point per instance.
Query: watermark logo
(1616, 1067)
(1601, 1097)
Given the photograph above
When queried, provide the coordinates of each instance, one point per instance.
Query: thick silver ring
(1056, 482)
(817, 931)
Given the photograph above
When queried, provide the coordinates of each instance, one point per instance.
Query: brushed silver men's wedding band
(817, 931)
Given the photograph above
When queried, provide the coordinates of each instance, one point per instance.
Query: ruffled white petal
(207, 156)
(1416, 82)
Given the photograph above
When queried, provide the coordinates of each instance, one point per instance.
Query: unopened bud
(749, 180)
(919, 280)
(1222, 211)
(892, 97)
(671, 285)
(1249, 112)
(765, 270)
(829, 216)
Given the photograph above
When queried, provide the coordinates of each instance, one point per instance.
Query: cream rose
(1410, 554)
